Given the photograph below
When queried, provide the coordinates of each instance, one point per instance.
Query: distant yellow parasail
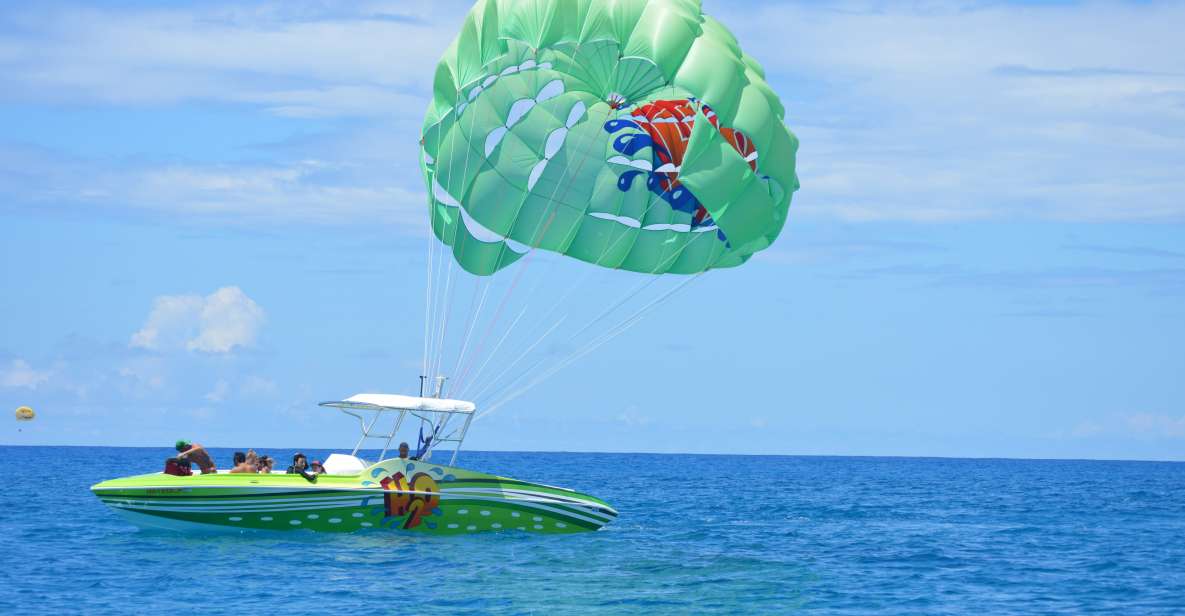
(25, 413)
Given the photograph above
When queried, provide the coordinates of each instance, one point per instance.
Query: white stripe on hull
(246, 502)
(592, 517)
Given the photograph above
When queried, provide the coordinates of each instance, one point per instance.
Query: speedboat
(412, 494)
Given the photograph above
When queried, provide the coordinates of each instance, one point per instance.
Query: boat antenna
(439, 386)
(422, 379)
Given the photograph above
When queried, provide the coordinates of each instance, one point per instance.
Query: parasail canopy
(630, 134)
(25, 413)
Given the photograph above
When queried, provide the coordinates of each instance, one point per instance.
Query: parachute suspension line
(446, 306)
(540, 231)
(474, 315)
(462, 371)
(594, 345)
(524, 265)
(562, 301)
(498, 314)
(441, 254)
(625, 298)
(645, 284)
(511, 365)
(641, 287)
(428, 290)
(464, 383)
(428, 283)
(447, 294)
(538, 235)
(596, 342)
(494, 352)
(434, 253)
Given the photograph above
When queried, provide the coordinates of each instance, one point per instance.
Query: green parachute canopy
(632, 134)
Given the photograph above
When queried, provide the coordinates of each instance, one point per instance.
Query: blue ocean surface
(697, 533)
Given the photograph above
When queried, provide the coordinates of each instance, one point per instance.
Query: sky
(213, 218)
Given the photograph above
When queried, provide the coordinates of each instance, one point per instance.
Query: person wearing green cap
(196, 454)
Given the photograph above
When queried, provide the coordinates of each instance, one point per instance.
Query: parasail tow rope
(592, 346)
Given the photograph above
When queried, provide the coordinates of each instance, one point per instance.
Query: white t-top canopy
(399, 402)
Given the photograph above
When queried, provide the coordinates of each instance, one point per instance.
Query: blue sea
(697, 533)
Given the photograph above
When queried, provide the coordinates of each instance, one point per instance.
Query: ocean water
(704, 534)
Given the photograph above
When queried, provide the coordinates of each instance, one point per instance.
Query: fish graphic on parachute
(665, 126)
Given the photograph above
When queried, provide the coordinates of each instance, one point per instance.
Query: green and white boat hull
(396, 494)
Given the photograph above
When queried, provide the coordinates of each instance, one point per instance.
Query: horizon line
(669, 453)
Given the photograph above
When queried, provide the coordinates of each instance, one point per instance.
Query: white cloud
(173, 320)
(972, 111)
(142, 376)
(632, 418)
(368, 60)
(356, 62)
(19, 373)
(906, 111)
(1130, 425)
(218, 394)
(1086, 429)
(365, 191)
(217, 323)
(1152, 424)
(252, 386)
(257, 386)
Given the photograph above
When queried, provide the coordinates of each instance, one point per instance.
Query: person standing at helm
(196, 454)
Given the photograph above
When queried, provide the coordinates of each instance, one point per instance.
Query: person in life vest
(196, 454)
(178, 466)
(300, 466)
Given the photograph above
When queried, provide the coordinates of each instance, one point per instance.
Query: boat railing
(448, 420)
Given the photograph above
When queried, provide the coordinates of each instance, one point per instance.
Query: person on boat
(196, 454)
(178, 466)
(299, 464)
(265, 464)
(243, 463)
(318, 468)
(404, 450)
